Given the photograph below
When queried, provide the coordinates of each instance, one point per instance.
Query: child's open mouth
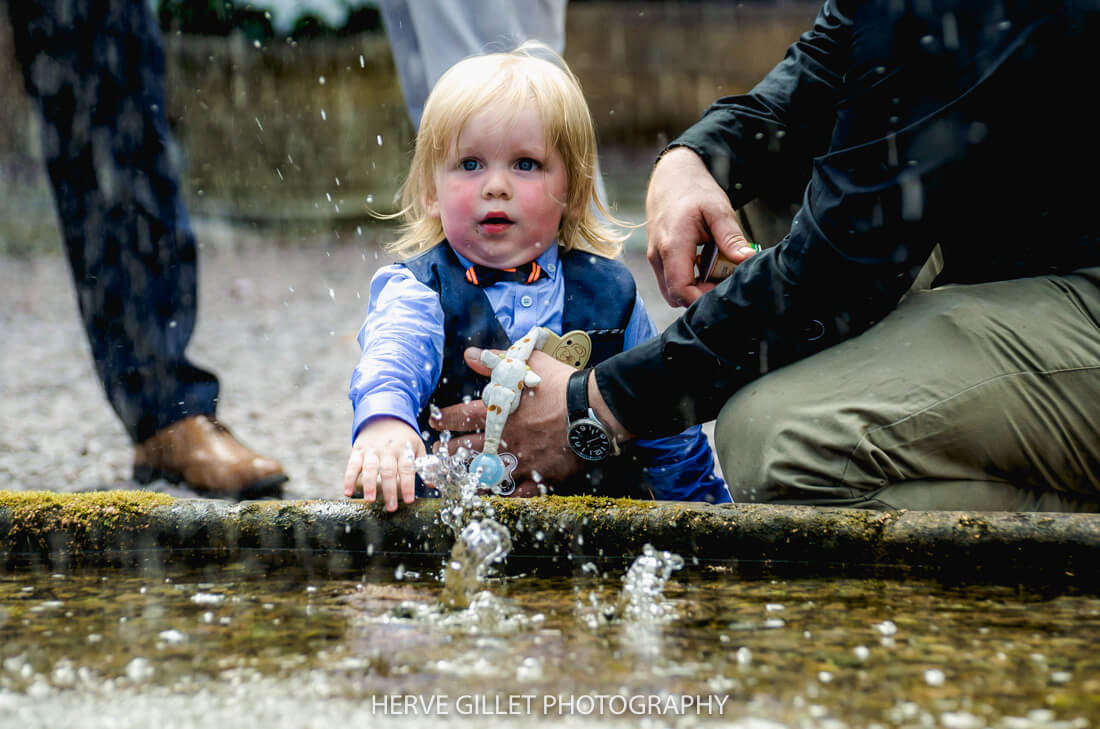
(495, 223)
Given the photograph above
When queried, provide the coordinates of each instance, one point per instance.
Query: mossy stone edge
(137, 528)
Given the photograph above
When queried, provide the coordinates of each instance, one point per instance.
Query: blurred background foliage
(270, 19)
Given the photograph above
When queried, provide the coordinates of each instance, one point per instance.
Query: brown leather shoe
(202, 452)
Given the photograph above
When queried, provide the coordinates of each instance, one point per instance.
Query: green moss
(35, 516)
(577, 506)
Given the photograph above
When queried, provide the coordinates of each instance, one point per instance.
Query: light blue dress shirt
(402, 357)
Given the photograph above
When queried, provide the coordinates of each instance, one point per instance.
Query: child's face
(500, 193)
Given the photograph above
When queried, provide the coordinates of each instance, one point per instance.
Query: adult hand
(685, 207)
(534, 433)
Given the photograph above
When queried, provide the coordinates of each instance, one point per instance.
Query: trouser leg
(965, 397)
(95, 68)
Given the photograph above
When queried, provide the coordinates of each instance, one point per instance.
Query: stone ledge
(47, 530)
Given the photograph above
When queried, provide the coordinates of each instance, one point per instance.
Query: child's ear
(431, 204)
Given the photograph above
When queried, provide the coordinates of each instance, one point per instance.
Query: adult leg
(965, 397)
(429, 37)
(95, 68)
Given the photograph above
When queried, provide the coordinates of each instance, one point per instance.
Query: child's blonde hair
(531, 74)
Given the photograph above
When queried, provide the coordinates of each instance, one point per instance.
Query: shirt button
(552, 267)
(526, 300)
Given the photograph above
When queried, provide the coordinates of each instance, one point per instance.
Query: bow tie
(483, 276)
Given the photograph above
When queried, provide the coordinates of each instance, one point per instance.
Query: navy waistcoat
(599, 300)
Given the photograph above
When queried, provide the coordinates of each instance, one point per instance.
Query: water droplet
(139, 669)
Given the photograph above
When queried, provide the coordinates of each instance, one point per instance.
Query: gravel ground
(277, 323)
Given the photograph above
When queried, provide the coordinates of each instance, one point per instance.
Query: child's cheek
(467, 200)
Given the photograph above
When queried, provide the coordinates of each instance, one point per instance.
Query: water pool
(230, 646)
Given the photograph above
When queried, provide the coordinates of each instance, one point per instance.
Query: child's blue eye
(527, 164)
(469, 164)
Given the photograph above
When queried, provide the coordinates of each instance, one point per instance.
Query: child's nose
(497, 184)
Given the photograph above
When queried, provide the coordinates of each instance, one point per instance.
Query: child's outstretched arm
(383, 453)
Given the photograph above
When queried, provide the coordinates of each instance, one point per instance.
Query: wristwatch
(587, 436)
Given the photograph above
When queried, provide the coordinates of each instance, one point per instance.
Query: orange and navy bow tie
(480, 275)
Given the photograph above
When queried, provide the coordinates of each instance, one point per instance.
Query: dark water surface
(225, 646)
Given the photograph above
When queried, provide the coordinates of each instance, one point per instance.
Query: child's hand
(384, 451)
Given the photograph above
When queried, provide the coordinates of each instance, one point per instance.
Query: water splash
(480, 540)
(642, 600)
(641, 608)
(643, 604)
(481, 543)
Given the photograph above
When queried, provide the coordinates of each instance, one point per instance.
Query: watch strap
(576, 395)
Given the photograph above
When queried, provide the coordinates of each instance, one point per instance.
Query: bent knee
(774, 450)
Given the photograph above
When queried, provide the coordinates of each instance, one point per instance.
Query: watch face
(589, 441)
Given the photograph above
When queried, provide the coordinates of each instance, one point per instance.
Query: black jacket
(903, 124)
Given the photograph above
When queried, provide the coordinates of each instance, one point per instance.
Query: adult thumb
(473, 360)
(727, 233)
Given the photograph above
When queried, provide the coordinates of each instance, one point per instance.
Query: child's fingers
(369, 475)
(387, 468)
(351, 473)
(407, 475)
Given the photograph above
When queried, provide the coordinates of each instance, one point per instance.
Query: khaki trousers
(971, 397)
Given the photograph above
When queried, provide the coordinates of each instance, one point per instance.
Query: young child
(501, 234)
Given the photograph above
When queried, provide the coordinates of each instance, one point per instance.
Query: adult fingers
(469, 441)
(464, 417)
(727, 234)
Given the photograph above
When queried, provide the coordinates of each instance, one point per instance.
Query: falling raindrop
(324, 117)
